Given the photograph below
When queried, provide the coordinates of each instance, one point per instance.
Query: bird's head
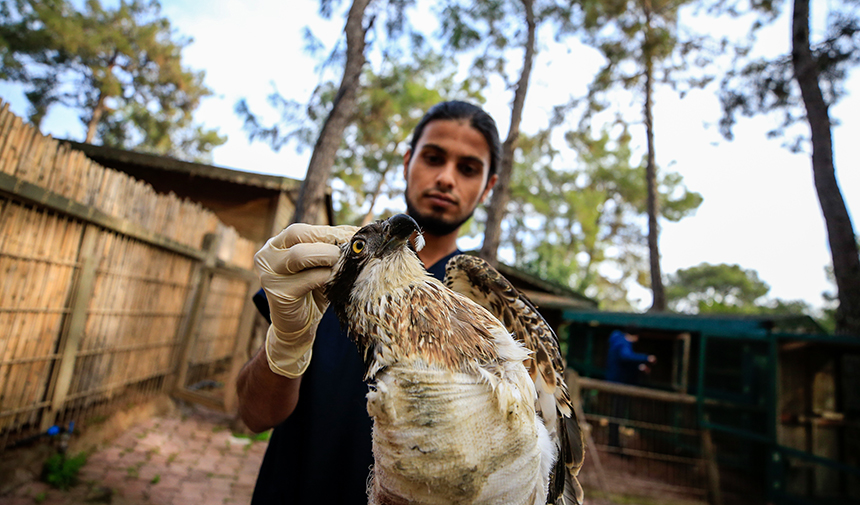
(376, 261)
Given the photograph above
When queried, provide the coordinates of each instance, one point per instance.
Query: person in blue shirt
(306, 381)
(623, 365)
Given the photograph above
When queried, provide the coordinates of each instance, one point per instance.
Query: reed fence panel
(98, 278)
(214, 342)
(38, 261)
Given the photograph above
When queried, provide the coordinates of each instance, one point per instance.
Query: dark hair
(478, 119)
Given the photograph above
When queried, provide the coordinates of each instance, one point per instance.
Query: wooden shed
(256, 205)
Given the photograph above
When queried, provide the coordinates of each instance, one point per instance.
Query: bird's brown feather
(476, 279)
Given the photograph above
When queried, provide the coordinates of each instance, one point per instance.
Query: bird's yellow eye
(358, 246)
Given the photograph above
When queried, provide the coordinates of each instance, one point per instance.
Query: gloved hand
(293, 266)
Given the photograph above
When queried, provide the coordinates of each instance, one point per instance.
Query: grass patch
(259, 437)
(156, 479)
(96, 420)
(61, 471)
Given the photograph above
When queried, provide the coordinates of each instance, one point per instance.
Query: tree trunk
(311, 200)
(840, 231)
(368, 217)
(93, 124)
(502, 189)
(659, 302)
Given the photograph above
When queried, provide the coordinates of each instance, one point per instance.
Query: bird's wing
(476, 279)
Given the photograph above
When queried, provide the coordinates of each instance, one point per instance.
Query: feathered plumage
(457, 417)
(479, 281)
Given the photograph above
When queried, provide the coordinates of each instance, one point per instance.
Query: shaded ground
(167, 460)
(193, 458)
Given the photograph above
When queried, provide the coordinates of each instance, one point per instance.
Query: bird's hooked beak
(399, 228)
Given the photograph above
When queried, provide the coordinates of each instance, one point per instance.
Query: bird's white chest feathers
(440, 437)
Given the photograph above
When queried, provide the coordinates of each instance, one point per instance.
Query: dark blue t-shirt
(622, 364)
(322, 452)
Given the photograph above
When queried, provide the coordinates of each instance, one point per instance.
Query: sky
(760, 209)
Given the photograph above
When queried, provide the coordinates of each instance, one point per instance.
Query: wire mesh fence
(649, 439)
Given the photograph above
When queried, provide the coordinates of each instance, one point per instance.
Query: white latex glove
(293, 267)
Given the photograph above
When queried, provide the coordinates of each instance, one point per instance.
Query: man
(307, 380)
(623, 366)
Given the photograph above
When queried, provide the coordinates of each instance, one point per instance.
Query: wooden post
(70, 341)
(592, 453)
(715, 497)
(685, 362)
(201, 277)
(240, 351)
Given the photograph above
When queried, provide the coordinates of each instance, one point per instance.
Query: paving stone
(228, 466)
(197, 461)
(219, 486)
(112, 455)
(196, 475)
(33, 489)
(18, 500)
(194, 489)
(239, 490)
(133, 489)
(246, 479)
(162, 496)
(148, 472)
(170, 481)
(207, 464)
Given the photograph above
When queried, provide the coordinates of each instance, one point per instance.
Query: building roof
(725, 325)
(119, 158)
(544, 293)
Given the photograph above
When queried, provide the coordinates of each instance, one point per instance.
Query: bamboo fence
(94, 313)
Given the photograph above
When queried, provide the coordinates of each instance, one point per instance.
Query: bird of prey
(462, 411)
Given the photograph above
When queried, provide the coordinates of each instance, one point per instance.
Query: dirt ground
(190, 456)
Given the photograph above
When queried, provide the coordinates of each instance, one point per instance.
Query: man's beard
(434, 225)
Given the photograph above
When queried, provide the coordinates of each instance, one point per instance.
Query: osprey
(463, 412)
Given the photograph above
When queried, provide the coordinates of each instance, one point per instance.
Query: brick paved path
(173, 460)
(194, 459)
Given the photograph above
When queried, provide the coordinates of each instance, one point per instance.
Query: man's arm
(628, 355)
(265, 398)
(293, 267)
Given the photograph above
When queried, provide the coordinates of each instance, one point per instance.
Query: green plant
(61, 471)
(156, 479)
(40, 497)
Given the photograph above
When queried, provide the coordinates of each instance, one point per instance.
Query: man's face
(447, 175)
